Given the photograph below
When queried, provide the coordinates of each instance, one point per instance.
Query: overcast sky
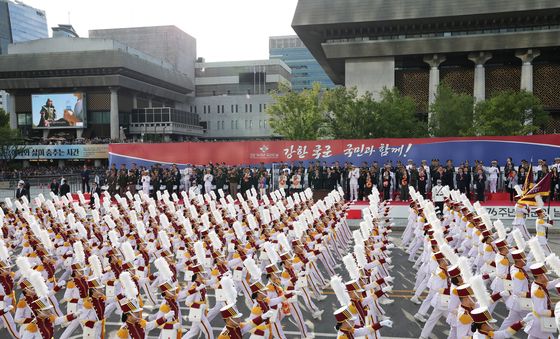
(225, 30)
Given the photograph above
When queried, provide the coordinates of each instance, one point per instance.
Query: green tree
(298, 116)
(451, 113)
(510, 113)
(11, 144)
(397, 117)
(350, 116)
(4, 118)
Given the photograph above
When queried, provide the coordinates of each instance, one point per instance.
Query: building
(477, 47)
(167, 43)
(64, 31)
(232, 97)
(305, 69)
(19, 22)
(128, 93)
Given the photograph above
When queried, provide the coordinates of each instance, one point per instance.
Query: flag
(542, 188)
(528, 184)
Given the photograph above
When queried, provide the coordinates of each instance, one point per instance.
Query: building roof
(321, 12)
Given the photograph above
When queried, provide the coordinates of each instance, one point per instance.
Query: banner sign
(457, 149)
(48, 152)
(495, 212)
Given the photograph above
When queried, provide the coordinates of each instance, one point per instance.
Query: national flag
(542, 188)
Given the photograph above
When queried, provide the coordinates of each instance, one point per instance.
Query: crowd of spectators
(393, 180)
(357, 180)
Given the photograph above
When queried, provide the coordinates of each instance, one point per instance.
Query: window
(194, 109)
(236, 124)
(223, 122)
(236, 108)
(209, 111)
(251, 124)
(218, 109)
(232, 124)
(214, 94)
(223, 109)
(208, 125)
(232, 109)
(260, 108)
(260, 123)
(246, 108)
(251, 108)
(264, 106)
(246, 124)
(204, 109)
(264, 124)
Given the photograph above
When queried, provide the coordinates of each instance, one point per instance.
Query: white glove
(389, 279)
(528, 317)
(388, 260)
(505, 293)
(386, 323)
(61, 283)
(390, 246)
(267, 314)
(374, 271)
(169, 315)
(387, 289)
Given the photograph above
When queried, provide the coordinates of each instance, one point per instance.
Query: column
(527, 56)
(11, 99)
(434, 61)
(114, 114)
(79, 133)
(134, 101)
(150, 102)
(479, 59)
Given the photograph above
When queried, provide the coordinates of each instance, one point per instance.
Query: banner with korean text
(253, 153)
(48, 152)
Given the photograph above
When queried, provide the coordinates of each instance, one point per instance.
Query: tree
(397, 117)
(4, 118)
(509, 113)
(11, 144)
(451, 113)
(350, 116)
(298, 116)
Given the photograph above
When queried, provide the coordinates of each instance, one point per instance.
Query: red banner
(254, 152)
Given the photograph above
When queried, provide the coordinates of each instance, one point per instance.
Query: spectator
(462, 180)
(511, 181)
(554, 184)
(21, 191)
(386, 183)
(85, 179)
(146, 183)
(422, 181)
(94, 189)
(64, 188)
(493, 173)
(480, 183)
(54, 185)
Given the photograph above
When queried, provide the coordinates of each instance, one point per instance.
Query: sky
(225, 30)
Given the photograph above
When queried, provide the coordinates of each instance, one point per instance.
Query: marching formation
(173, 266)
(467, 264)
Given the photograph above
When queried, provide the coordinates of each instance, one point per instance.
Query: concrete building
(128, 92)
(305, 69)
(232, 97)
(477, 47)
(167, 43)
(64, 31)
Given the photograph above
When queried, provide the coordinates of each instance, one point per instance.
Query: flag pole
(548, 220)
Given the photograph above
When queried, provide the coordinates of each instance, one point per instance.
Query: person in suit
(85, 179)
(480, 181)
(21, 192)
(64, 188)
